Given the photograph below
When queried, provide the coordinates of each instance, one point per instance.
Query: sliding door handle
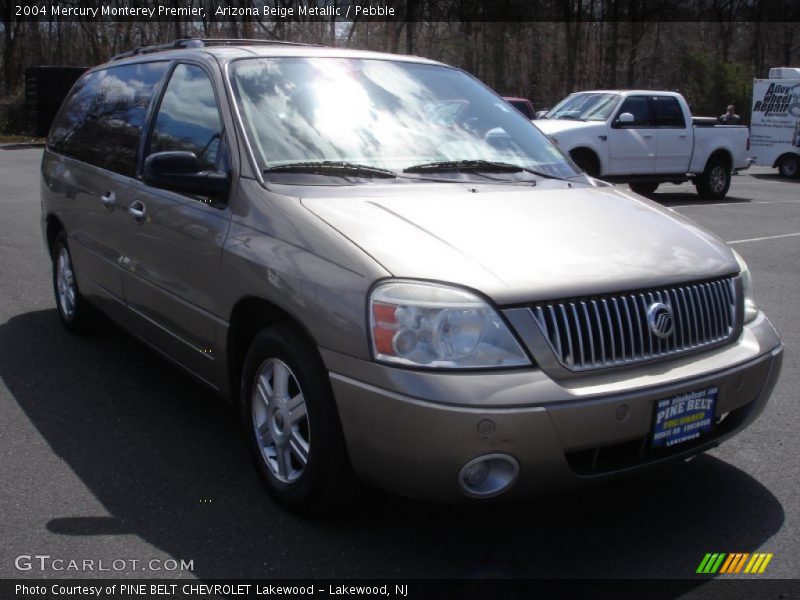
(138, 211)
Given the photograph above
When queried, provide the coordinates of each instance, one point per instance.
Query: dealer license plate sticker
(683, 417)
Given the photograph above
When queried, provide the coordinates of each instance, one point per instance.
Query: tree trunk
(411, 11)
(613, 45)
(10, 33)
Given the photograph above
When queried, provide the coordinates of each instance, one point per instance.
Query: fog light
(475, 473)
(488, 475)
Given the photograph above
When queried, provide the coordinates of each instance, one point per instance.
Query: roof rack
(202, 43)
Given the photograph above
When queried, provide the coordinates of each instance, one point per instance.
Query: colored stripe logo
(733, 563)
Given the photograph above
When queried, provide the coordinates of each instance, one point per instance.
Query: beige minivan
(393, 274)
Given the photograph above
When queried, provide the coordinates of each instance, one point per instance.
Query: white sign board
(775, 120)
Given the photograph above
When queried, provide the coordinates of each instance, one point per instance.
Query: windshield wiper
(332, 167)
(476, 166)
(464, 165)
(570, 118)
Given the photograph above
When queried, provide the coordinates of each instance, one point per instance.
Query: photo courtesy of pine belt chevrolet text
(396, 278)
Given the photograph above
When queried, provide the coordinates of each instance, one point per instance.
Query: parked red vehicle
(523, 105)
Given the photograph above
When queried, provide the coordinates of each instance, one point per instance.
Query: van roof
(784, 73)
(229, 49)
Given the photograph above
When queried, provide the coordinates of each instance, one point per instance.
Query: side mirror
(181, 172)
(540, 114)
(626, 118)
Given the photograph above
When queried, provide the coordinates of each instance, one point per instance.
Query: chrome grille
(612, 330)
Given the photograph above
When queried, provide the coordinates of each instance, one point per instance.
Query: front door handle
(137, 211)
(647, 136)
(683, 135)
(109, 199)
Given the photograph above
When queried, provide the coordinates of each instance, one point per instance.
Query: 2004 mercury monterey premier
(394, 274)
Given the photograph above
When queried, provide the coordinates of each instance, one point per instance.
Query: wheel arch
(723, 154)
(784, 155)
(53, 226)
(249, 316)
(589, 153)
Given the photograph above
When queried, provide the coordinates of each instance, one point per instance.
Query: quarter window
(101, 122)
(188, 119)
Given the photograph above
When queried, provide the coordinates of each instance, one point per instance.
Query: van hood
(520, 245)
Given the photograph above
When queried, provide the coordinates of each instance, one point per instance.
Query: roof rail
(202, 43)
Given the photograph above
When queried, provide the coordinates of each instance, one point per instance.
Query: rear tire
(644, 188)
(789, 166)
(290, 420)
(77, 315)
(715, 181)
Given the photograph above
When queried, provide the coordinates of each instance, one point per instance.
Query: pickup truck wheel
(77, 315)
(789, 166)
(644, 188)
(291, 423)
(586, 162)
(715, 181)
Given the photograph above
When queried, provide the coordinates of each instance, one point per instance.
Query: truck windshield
(381, 114)
(585, 107)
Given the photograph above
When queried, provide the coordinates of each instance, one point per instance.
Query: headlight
(436, 326)
(750, 309)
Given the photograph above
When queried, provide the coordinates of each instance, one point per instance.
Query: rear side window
(639, 107)
(101, 122)
(188, 119)
(667, 112)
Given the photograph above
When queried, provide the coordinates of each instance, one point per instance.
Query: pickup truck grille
(611, 330)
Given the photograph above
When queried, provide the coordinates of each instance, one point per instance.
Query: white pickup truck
(645, 138)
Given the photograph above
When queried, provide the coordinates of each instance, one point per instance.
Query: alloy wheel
(280, 420)
(718, 178)
(65, 283)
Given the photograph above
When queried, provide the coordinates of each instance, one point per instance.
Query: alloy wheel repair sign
(776, 113)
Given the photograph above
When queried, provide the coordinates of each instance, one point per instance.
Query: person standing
(730, 117)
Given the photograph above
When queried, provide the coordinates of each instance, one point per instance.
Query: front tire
(789, 166)
(291, 423)
(715, 181)
(77, 315)
(586, 162)
(644, 188)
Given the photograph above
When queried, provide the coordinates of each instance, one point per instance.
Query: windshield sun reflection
(381, 114)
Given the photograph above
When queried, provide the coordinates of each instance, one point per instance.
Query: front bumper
(412, 431)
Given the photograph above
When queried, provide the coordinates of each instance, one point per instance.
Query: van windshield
(585, 107)
(369, 114)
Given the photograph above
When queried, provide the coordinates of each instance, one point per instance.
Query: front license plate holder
(683, 417)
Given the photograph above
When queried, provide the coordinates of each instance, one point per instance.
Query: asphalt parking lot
(108, 452)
